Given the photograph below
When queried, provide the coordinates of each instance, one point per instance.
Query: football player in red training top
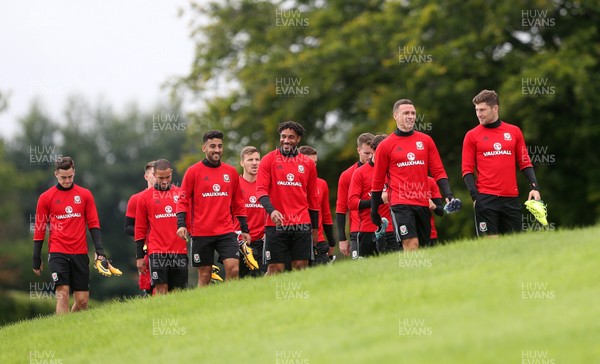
(287, 189)
(341, 206)
(359, 199)
(67, 209)
(404, 160)
(156, 227)
(144, 279)
(493, 150)
(212, 195)
(250, 161)
(323, 250)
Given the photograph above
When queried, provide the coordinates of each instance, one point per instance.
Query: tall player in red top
(323, 249)
(144, 281)
(341, 206)
(493, 150)
(212, 196)
(156, 227)
(250, 161)
(287, 189)
(67, 209)
(403, 161)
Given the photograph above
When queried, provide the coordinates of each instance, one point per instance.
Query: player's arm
(526, 167)
(39, 233)
(327, 220)
(468, 166)
(93, 224)
(184, 202)
(341, 207)
(379, 177)
(239, 209)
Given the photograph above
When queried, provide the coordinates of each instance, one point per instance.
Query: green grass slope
(531, 298)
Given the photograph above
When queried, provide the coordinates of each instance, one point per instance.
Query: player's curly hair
(299, 129)
(212, 134)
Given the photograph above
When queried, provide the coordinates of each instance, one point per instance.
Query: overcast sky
(115, 50)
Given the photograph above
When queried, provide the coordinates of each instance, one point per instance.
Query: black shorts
(321, 253)
(72, 270)
(354, 245)
(290, 242)
(412, 221)
(497, 215)
(257, 247)
(169, 268)
(203, 249)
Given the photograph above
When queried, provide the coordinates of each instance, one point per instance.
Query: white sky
(119, 51)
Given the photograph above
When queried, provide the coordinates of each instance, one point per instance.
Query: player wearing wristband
(323, 249)
(404, 160)
(67, 209)
(144, 280)
(156, 227)
(212, 196)
(492, 151)
(287, 189)
(341, 206)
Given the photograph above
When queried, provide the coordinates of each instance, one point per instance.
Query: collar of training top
(64, 189)
(211, 165)
(399, 132)
(495, 124)
(293, 152)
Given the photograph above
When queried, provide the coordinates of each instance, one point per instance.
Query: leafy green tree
(338, 67)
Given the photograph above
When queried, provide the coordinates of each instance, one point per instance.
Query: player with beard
(287, 189)
(211, 193)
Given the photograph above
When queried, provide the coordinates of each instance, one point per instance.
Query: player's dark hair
(64, 162)
(401, 102)
(296, 127)
(162, 165)
(490, 97)
(306, 150)
(212, 134)
(149, 165)
(376, 140)
(248, 150)
(364, 138)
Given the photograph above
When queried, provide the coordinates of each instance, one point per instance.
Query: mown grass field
(531, 298)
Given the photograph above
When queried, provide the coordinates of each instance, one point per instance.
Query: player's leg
(486, 215)
(511, 216)
(257, 247)
(59, 267)
(158, 264)
(321, 253)
(228, 249)
(392, 245)
(366, 245)
(203, 256)
(301, 246)
(62, 299)
(405, 226)
(178, 272)
(275, 249)
(80, 281)
(423, 224)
